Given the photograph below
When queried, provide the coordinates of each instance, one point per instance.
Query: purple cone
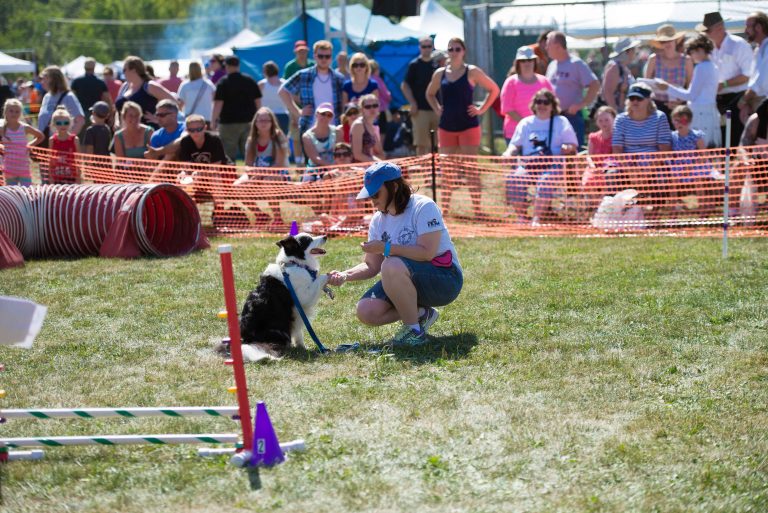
(294, 229)
(266, 448)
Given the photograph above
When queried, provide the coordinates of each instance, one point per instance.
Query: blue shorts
(435, 286)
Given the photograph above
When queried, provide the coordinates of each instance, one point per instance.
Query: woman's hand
(374, 247)
(337, 278)
(473, 111)
(661, 84)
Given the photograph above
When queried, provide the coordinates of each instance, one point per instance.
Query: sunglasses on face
(375, 196)
(341, 154)
(325, 114)
(163, 114)
(455, 49)
(542, 101)
(359, 65)
(195, 130)
(425, 46)
(323, 55)
(371, 106)
(61, 123)
(636, 98)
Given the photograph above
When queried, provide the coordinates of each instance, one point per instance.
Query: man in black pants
(733, 57)
(236, 101)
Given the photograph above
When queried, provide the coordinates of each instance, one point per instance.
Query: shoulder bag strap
(549, 135)
(197, 98)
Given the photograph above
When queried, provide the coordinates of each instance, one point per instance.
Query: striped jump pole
(241, 384)
(92, 413)
(60, 441)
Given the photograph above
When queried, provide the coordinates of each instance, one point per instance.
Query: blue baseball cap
(376, 175)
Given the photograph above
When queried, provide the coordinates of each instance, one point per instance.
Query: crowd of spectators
(299, 118)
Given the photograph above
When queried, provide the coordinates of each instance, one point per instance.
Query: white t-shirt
(562, 133)
(422, 215)
(188, 92)
(270, 97)
(733, 58)
(322, 90)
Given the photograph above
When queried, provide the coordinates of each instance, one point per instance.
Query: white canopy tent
(618, 18)
(433, 18)
(10, 64)
(75, 68)
(244, 38)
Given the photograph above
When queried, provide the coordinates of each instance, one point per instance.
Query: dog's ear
(288, 243)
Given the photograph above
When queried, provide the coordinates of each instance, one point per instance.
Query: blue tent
(366, 33)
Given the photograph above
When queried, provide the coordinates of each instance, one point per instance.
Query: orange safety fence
(678, 193)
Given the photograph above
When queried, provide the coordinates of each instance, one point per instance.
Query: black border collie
(269, 322)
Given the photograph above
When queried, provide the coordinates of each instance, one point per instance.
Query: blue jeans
(435, 286)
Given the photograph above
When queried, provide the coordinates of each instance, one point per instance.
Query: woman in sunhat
(519, 88)
(409, 245)
(668, 64)
(616, 76)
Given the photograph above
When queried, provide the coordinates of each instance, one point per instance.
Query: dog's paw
(222, 348)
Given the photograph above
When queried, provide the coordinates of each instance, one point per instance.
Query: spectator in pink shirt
(173, 82)
(519, 88)
(113, 85)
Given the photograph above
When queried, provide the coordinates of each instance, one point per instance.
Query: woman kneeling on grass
(409, 244)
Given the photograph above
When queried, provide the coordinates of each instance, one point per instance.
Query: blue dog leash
(323, 350)
(297, 304)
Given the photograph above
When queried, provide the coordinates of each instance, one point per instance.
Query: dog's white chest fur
(308, 291)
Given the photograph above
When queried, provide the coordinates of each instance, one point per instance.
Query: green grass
(626, 374)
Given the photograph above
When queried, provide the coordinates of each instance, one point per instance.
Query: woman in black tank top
(459, 127)
(140, 89)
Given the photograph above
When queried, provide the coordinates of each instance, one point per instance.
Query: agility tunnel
(123, 221)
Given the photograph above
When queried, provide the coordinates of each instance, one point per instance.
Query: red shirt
(61, 167)
(171, 83)
(113, 86)
(599, 145)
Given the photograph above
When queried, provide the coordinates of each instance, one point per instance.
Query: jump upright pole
(230, 300)
(726, 193)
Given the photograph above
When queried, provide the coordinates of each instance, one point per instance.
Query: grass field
(570, 375)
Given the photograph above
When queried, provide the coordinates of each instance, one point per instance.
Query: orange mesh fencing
(679, 193)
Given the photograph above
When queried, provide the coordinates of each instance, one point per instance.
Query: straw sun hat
(666, 33)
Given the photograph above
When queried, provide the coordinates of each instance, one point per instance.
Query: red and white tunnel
(124, 221)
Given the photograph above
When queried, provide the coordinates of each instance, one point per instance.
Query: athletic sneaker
(428, 319)
(406, 337)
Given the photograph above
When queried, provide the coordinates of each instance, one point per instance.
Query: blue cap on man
(376, 175)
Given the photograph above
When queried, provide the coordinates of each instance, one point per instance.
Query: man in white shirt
(756, 30)
(313, 86)
(733, 57)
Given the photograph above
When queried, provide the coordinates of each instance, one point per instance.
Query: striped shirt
(16, 151)
(641, 136)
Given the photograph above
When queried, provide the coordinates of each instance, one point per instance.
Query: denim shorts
(435, 286)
